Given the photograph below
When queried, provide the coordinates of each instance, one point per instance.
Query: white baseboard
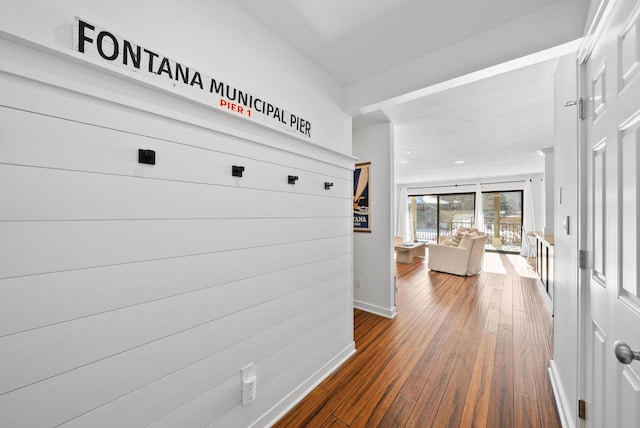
(561, 399)
(290, 401)
(377, 310)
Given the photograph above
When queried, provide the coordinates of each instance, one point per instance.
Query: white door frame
(600, 10)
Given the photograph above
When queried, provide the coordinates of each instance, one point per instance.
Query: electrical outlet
(248, 372)
(357, 282)
(249, 384)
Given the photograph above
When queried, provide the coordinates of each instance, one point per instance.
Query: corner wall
(373, 269)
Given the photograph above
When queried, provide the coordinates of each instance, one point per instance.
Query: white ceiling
(496, 124)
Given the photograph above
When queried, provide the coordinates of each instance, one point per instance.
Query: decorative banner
(361, 202)
(101, 44)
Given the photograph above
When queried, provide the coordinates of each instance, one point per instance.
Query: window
(502, 212)
(434, 216)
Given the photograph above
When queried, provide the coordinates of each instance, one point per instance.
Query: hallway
(461, 352)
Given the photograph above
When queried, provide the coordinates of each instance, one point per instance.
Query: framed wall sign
(361, 201)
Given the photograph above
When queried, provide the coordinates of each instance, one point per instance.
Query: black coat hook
(147, 156)
(327, 185)
(292, 179)
(237, 171)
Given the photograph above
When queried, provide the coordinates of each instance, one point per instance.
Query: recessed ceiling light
(408, 151)
(459, 162)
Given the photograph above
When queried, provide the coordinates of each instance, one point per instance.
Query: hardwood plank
(541, 353)
(433, 393)
(334, 422)
(548, 414)
(398, 413)
(309, 406)
(477, 403)
(382, 404)
(523, 370)
(360, 373)
(463, 351)
(423, 368)
(501, 410)
(311, 413)
(363, 398)
(350, 369)
(454, 400)
(526, 412)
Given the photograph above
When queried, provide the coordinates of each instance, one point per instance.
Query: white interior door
(610, 80)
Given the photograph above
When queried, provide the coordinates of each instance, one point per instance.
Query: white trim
(525, 61)
(560, 397)
(299, 393)
(595, 24)
(583, 275)
(376, 310)
(594, 28)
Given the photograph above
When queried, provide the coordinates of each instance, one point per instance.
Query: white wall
(130, 294)
(565, 345)
(373, 267)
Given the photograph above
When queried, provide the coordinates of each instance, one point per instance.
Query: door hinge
(582, 259)
(582, 409)
(580, 103)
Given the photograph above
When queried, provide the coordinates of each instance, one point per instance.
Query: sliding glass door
(424, 214)
(502, 213)
(455, 210)
(434, 216)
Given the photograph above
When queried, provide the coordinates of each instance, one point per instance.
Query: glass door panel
(427, 218)
(455, 210)
(502, 213)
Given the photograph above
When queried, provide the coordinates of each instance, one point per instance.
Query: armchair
(466, 259)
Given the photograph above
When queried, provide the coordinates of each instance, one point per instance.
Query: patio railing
(510, 233)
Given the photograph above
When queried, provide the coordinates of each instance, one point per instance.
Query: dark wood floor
(462, 352)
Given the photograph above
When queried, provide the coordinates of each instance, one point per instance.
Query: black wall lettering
(99, 43)
(229, 96)
(197, 80)
(182, 74)
(216, 87)
(165, 67)
(81, 34)
(151, 56)
(128, 53)
(116, 46)
(243, 98)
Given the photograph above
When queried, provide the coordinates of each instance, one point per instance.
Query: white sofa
(464, 259)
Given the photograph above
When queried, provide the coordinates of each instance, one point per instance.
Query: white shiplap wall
(132, 295)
